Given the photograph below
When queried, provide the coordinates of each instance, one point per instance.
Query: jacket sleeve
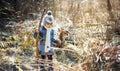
(35, 33)
(53, 38)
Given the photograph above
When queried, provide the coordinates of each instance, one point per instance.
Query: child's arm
(53, 38)
(36, 32)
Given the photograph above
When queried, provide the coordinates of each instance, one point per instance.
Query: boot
(50, 69)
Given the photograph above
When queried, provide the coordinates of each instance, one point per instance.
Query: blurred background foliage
(92, 25)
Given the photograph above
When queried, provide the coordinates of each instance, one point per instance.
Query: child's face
(48, 25)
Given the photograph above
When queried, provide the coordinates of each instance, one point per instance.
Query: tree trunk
(110, 19)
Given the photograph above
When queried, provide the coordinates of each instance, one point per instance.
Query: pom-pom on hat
(49, 12)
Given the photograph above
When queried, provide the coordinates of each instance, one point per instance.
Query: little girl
(46, 38)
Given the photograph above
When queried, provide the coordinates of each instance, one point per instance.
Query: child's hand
(59, 44)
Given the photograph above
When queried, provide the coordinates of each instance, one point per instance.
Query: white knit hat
(48, 18)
